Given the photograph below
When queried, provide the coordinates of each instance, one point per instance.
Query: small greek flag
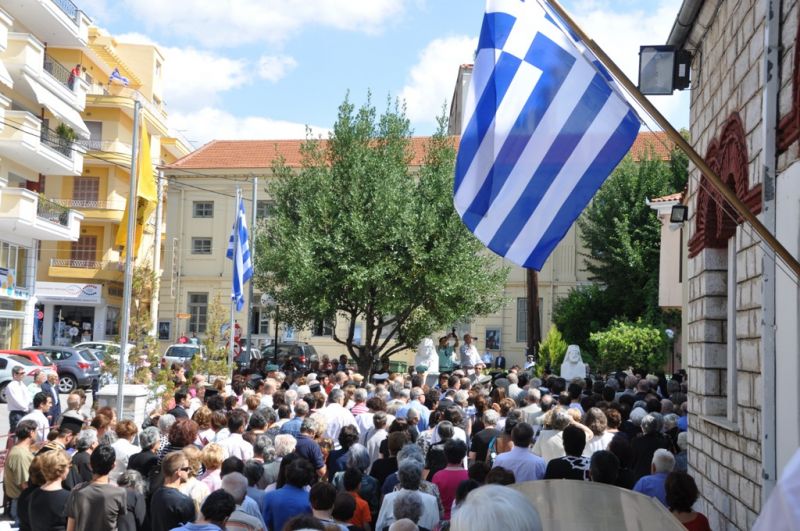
(116, 76)
(239, 252)
(547, 126)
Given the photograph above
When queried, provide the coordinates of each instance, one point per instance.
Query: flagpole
(129, 243)
(681, 142)
(252, 257)
(235, 251)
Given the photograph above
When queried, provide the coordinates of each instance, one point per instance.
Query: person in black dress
(46, 509)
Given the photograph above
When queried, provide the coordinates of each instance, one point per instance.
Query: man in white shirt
(36, 386)
(235, 445)
(19, 400)
(377, 436)
(470, 357)
(41, 405)
(337, 416)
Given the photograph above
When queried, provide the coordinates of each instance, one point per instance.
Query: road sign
(183, 316)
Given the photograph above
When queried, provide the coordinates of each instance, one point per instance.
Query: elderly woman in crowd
(181, 434)
(147, 460)
(134, 485)
(409, 474)
(496, 507)
(550, 444)
(197, 490)
(596, 420)
(81, 470)
(358, 458)
(284, 445)
(124, 447)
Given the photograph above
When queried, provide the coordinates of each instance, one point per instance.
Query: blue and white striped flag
(239, 252)
(544, 127)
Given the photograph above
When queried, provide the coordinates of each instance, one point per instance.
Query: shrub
(551, 350)
(625, 344)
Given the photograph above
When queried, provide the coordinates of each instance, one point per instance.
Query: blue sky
(267, 68)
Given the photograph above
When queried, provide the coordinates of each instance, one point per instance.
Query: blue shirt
(309, 449)
(525, 465)
(653, 485)
(283, 504)
(198, 527)
(424, 413)
(292, 427)
(683, 423)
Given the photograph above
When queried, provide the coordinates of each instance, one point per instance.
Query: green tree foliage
(360, 236)
(630, 344)
(215, 360)
(551, 350)
(583, 311)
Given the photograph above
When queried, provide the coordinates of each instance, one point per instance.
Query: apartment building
(40, 126)
(68, 129)
(200, 214)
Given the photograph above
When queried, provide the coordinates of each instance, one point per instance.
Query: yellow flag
(146, 195)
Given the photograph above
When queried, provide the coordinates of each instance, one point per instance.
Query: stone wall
(725, 454)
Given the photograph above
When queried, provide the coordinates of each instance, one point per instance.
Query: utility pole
(129, 244)
(157, 253)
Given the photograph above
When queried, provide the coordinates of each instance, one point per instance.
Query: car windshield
(45, 359)
(181, 352)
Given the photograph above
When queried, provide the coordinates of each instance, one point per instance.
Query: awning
(57, 106)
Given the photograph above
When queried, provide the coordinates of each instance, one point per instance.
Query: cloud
(238, 22)
(433, 78)
(211, 123)
(275, 67)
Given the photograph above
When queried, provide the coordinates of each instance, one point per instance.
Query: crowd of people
(331, 450)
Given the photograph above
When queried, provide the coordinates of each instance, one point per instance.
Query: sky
(266, 69)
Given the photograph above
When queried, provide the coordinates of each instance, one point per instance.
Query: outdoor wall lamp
(663, 69)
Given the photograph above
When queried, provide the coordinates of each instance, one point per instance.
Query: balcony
(28, 214)
(44, 80)
(85, 269)
(118, 96)
(25, 141)
(111, 151)
(110, 210)
(60, 23)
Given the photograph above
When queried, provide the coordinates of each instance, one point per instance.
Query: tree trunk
(365, 364)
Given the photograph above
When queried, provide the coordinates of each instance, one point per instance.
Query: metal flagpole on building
(728, 194)
(129, 244)
(157, 253)
(233, 272)
(252, 254)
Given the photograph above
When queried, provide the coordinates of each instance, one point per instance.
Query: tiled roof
(668, 198)
(657, 141)
(253, 154)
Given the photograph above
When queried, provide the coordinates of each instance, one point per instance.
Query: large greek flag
(544, 127)
(239, 252)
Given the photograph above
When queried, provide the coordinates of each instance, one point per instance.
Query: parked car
(101, 349)
(181, 353)
(291, 355)
(37, 358)
(7, 364)
(76, 367)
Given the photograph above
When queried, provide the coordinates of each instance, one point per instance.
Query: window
(198, 312)
(85, 249)
(95, 134)
(325, 328)
(264, 208)
(112, 321)
(522, 319)
(263, 322)
(86, 189)
(203, 209)
(201, 245)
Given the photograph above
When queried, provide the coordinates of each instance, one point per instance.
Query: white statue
(573, 366)
(427, 356)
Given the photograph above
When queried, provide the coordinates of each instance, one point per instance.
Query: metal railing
(69, 8)
(52, 212)
(106, 145)
(91, 204)
(86, 264)
(59, 72)
(56, 142)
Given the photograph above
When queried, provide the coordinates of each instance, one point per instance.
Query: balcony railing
(59, 71)
(56, 142)
(69, 8)
(86, 264)
(91, 204)
(106, 145)
(52, 212)
(117, 90)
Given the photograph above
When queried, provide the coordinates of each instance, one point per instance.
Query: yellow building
(80, 283)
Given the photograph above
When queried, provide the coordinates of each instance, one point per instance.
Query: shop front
(70, 312)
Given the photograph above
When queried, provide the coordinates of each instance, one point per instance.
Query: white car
(181, 353)
(101, 349)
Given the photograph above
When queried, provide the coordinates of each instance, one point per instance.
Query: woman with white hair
(645, 446)
(81, 470)
(409, 474)
(284, 445)
(496, 507)
(550, 444)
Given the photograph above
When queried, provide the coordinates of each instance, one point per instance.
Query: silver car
(76, 367)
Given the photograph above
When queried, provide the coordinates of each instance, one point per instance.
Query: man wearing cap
(19, 400)
(470, 357)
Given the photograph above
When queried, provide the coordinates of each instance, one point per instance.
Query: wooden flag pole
(675, 136)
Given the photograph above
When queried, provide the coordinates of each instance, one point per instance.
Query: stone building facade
(737, 448)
